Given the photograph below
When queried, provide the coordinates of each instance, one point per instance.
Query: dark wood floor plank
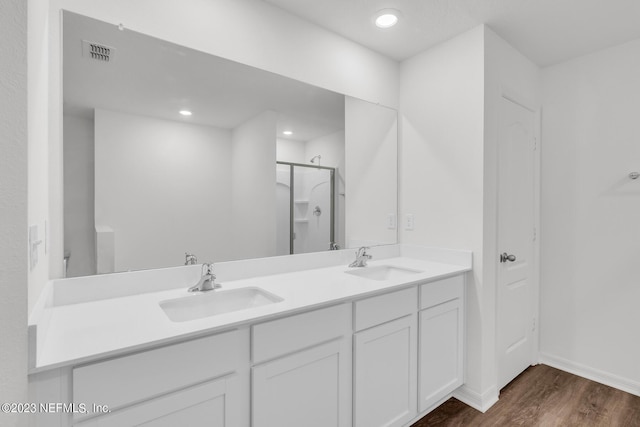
(545, 397)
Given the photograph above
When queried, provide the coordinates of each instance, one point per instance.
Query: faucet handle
(207, 269)
(190, 259)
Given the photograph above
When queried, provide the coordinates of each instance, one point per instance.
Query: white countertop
(72, 333)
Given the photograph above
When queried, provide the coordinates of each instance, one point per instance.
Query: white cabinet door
(211, 404)
(385, 383)
(311, 388)
(440, 353)
(128, 380)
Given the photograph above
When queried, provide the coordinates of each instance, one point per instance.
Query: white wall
(253, 187)
(449, 98)
(441, 164)
(40, 129)
(590, 216)
(163, 187)
(79, 195)
(13, 208)
(371, 181)
(252, 32)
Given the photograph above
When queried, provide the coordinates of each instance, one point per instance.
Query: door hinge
(535, 143)
(533, 328)
(535, 234)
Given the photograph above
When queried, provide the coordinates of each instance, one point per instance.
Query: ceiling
(151, 77)
(546, 31)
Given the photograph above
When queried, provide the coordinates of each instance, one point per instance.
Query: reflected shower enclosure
(305, 203)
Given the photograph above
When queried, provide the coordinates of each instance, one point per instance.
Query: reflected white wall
(253, 190)
(289, 150)
(371, 180)
(79, 195)
(162, 171)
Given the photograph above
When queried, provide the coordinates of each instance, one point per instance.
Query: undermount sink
(383, 272)
(212, 303)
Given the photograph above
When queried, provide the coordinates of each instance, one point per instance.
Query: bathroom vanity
(316, 343)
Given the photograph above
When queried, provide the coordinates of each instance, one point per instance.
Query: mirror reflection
(169, 151)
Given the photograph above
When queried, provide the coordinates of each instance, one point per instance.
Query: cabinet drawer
(283, 336)
(151, 373)
(444, 290)
(383, 308)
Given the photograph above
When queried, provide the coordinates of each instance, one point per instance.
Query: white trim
(516, 97)
(593, 374)
(537, 214)
(481, 402)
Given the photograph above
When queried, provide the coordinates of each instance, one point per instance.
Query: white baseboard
(592, 374)
(481, 402)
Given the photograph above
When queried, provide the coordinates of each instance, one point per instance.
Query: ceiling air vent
(98, 51)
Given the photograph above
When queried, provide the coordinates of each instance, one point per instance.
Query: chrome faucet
(207, 282)
(190, 259)
(361, 257)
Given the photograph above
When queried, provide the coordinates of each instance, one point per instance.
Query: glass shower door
(313, 209)
(310, 210)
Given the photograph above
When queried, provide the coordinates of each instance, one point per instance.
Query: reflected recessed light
(386, 18)
(185, 112)
(287, 132)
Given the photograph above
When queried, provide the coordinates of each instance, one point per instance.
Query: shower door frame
(291, 200)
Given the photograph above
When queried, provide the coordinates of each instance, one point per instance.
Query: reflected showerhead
(316, 157)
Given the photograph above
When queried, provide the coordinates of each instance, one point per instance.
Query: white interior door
(516, 234)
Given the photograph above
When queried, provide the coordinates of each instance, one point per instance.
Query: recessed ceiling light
(287, 132)
(386, 18)
(185, 112)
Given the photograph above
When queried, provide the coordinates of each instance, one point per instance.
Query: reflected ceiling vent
(97, 51)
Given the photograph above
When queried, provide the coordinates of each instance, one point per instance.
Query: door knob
(505, 257)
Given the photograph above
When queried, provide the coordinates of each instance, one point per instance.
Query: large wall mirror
(169, 150)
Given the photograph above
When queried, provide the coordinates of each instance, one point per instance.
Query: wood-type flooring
(548, 397)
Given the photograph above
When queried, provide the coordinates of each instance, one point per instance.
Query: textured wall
(13, 207)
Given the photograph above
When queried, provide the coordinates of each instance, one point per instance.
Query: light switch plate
(391, 221)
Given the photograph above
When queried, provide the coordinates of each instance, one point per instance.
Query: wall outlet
(408, 222)
(391, 221)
